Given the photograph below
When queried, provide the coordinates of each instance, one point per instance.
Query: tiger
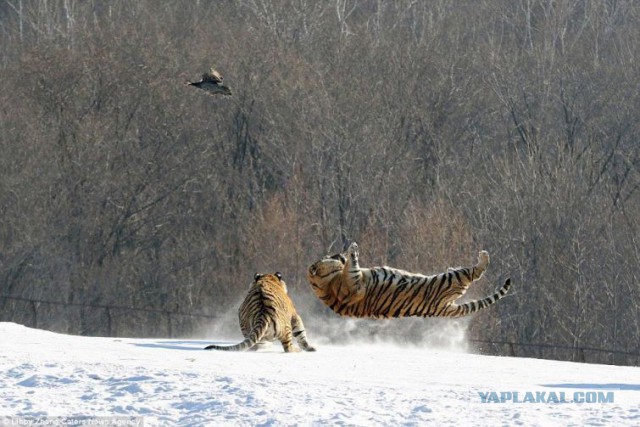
(266, 314)
(385, 292)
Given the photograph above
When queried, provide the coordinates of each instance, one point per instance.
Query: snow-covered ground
(174, 382)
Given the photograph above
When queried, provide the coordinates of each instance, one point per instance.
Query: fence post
(34, 309)
(108, 311)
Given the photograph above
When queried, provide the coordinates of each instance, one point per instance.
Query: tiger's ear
(279, 275)
(257, 277)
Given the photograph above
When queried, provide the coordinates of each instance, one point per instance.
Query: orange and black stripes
(384, 292)
(266, 314)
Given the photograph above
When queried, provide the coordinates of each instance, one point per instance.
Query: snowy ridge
(174, 382)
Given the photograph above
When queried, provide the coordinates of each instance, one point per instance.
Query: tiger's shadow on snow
(199, 345)
(178, 345)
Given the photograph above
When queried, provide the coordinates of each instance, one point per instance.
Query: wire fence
(560, 352)
(110, 312)
(493, 347)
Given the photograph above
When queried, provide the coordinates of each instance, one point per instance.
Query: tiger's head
(275, 278)
(323, 272)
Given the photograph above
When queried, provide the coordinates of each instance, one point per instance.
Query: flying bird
(212, 83)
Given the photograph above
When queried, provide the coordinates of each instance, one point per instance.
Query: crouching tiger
(267, 314)
(384, 292)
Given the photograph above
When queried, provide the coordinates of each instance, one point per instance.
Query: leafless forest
(132, 204)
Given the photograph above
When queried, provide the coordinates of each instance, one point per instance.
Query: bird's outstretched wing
(211, 82)
(216, 89)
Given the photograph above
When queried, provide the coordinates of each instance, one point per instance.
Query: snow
(175, 382)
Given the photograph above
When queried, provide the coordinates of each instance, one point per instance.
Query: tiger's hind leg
(299, 334)
(286, 338)
(462, 277)
(481, 266)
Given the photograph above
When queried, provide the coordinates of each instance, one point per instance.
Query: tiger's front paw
(353, 252)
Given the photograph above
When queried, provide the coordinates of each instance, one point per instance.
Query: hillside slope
(172, 382)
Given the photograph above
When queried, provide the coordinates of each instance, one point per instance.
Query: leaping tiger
(266, 314)
(384, 292)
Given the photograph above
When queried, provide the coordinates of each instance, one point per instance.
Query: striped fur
(384, 292)
(268, 314)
